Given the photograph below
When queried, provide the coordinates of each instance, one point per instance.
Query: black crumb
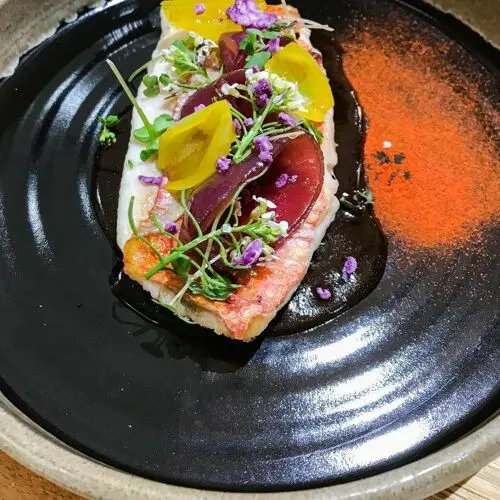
(399, 158)
(407, 175)
(382, 157)
(392, 177)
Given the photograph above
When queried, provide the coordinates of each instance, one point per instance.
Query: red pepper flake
(445, 188)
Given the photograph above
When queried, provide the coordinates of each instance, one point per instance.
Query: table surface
(18, 483)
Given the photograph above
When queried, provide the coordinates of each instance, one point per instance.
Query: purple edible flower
(286, 119)
(323, 293)
(199, 107)
(281, 181)
(250, 255)
(152, 181)
(350, 266)
(223, 164)
(273, 45)
(263, 91)
(293, 179)
(265, 148)
(248, 122)
(171, 228)
(237, 125)
(247, 14)
(199, 8)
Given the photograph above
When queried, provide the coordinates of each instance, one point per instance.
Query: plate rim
(45, 455)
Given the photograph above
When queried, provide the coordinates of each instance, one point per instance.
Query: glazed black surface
(407, 370)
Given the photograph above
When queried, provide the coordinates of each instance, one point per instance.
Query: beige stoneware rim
(23, 25)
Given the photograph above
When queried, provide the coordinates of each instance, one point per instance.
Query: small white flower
(200, 59)
(284, 226)
(227, 89)
(253, 78)
(269, 215)
(226, 228)
(248, 74)
(263, 201)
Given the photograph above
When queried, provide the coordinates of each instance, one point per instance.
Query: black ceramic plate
(323, 398)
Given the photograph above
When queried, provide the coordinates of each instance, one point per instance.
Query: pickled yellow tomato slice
(296, 64)
(189, 150)
(211, 24)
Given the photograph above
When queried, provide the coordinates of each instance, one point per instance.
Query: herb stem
(143, 67)
(136, 232)
(139, 110)
(250, 136)
(189, 214)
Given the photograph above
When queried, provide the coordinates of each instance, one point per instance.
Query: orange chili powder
(446, 186)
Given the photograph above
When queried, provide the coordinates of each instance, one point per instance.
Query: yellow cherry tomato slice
(211, 24)
(189, 150)
(296, 64)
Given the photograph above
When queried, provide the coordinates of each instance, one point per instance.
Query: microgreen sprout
(152, 85)
(256, 45)
(359, 201)
(237, 246)
(150, 132)
(185, 59)
(107, 137)
(267, 94)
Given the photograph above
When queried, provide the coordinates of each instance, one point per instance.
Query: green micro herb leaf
(165, 79)
(162, 123)
(248, 43)
(213, 289)
(182, 265)
(107, 137)
(130, 164)
(268, 35)
(141, 134)
(184, 58)
(147, 153)
(111, 120)
(258, 59)
(152, 88)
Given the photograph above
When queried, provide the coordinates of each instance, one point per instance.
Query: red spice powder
(446, 186)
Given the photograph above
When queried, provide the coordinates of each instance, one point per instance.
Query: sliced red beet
(206, 94)
(232, 56)
(302, 157)
(216, 192)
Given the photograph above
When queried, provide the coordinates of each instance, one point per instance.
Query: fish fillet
(250, 309)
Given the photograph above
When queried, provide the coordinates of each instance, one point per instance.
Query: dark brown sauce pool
(351, 234)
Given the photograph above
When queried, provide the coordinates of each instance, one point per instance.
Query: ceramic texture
(67, 467)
